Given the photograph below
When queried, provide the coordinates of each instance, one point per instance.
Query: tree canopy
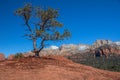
(42, 25)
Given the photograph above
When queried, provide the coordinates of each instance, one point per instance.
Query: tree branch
(42, 44)
(29, 28)
(43, 26)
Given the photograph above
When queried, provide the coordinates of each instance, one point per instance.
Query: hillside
(112, 63)
(51, 68)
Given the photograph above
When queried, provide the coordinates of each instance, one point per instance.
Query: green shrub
(111, 63)
(18, 55)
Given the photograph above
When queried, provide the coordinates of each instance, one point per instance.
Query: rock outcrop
(99, 43)
(2, 57)
(105, 48)
(10, 57)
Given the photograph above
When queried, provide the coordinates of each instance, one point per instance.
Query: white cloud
(53, 47)
(82, 47)
(118, 42)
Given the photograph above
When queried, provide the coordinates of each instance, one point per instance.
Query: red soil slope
(51, 68)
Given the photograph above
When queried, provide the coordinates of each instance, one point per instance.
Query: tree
(42, 26)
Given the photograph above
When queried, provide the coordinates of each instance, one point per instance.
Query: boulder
(2, 57)
(10, 57)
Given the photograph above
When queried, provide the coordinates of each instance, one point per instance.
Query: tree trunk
(37, 54)
(35, 49)
(41, 47)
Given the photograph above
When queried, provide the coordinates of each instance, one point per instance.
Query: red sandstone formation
(2, 57)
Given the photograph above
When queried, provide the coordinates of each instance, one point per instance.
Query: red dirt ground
(51, 68)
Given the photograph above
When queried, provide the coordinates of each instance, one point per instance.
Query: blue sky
(88, 20)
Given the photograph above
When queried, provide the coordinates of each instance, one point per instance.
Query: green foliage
(18, 55)
(25, 12)
(45, 25)
(111, 63)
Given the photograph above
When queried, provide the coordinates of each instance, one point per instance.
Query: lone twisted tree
(42, 26)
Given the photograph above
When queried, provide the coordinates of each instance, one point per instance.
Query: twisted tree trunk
(35, 48)
(37, 51)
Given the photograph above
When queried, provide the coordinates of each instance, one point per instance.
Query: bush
(18, 55)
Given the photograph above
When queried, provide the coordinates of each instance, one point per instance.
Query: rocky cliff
(99, 47)
(99, 43)
(105, 48)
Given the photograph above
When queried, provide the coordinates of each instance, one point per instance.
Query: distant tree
(42, 26)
